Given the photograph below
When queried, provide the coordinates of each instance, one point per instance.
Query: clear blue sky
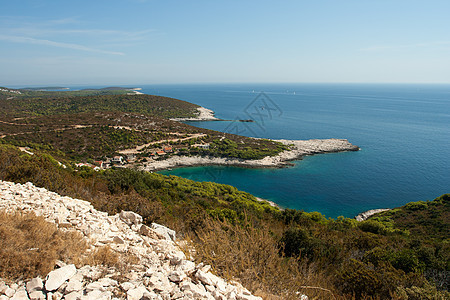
(107, 42)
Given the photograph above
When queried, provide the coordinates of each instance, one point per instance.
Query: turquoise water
(403, 130)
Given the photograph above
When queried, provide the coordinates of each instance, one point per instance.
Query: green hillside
(397, 255)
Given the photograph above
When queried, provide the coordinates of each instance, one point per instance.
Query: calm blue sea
(403, 130)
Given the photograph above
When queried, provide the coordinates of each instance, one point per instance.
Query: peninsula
(297, 149)
(138, 130)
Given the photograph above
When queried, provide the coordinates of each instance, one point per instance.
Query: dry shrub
(104, 256)
(30, 246)
(251, 256)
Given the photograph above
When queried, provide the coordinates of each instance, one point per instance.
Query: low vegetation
(88, 128)
(394, 255)
(139, 104)
(60, 92)
(30, 246)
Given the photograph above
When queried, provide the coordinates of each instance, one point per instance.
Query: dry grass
(105, 256)
(30, 246)
(252, 257)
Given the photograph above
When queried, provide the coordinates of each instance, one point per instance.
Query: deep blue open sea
(403, 131)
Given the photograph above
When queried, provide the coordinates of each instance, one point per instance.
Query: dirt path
(138, 148)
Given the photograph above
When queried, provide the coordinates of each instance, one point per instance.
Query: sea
(403, 131)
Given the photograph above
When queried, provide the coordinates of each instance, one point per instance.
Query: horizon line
(218, 82)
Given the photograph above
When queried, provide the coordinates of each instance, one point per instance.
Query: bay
(403, 131)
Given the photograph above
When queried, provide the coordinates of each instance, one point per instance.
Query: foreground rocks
(162, 270)
(298, 149)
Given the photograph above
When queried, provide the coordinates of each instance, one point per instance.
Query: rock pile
(163, 270)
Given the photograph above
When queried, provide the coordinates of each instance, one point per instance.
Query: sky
(122, 42)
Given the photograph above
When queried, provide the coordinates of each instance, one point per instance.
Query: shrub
(419, 205)
(30, 246)
(373, 227)
(297, 241)
(360, 279)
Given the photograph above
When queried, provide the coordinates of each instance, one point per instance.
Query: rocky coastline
(298, 149)
(367, 214)
(204, 114)
(163, 270)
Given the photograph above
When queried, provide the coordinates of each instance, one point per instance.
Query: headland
(297, 150)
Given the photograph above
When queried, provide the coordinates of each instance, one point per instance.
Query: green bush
(419, 205)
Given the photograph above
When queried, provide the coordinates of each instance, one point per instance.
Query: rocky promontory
(298, 149)
(162, 270)
(203, 114)
(367, 214)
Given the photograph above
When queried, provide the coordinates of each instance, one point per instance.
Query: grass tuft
(30, 246)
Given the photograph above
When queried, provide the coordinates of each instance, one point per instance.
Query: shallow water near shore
(403, 130)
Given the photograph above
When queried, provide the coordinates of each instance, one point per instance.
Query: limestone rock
(9, 292)
(37, 295)
(177, 276)
(147, 231)
(118, 240)
(131, 218)
(76, 295)
(75, 284)
(127, 286)
(159, 269)
(35, 284)
(57, 277)
(137, 293)
(169, 234)
(204, 278)
(21, 294)
(3, 287)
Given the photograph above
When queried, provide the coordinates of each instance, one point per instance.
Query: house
(167, 149)
(79, 165)
(117, 160)
(160, 152)
(101, 164)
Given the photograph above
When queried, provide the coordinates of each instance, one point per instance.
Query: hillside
(57, 91)
(270, 251)
(107, 256)
(94, 128)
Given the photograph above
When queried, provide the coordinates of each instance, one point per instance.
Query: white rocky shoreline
(204, 114)
(163, 271)
(367, 214)
(299, 149)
